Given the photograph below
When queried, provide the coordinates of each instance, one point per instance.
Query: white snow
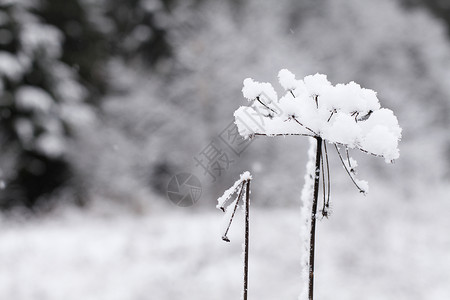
(233, 189)
(34, 99)
(350, 98)
(36, 37)
(287, 80)
(10, 66)
(175, 254)
(51, 144)
(77, 114)
(343, 129)
(316, 84)
(254, 89)
(246, 176)
(363, 185)
(25, 130)
(67, 87)
(382, 141)
(351, 164)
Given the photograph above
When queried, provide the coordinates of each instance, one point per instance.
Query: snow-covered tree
(42, 102)
(57, 62)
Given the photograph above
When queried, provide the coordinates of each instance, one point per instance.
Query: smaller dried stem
(323, 183)
(328, 174)
(307, 128)
(292, 93)
(224, 237)
(329, 118)
(348, 160)
(265, 105)
(281, 134)
(326, 203)
(348, 172)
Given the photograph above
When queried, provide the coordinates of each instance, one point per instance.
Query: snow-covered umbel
(343, 114)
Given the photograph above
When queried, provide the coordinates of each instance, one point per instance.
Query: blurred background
(103, 102)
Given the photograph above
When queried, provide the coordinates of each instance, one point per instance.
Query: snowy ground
(379, 247)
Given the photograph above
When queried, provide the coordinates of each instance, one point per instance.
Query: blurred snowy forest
(103, 101)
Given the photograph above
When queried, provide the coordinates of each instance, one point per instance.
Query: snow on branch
(243, 184)
(230, 209)
(341, 114)
(221, 201)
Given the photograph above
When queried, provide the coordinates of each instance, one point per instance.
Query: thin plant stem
(348, 159)
(265, 105)
(323, 182)
(348, 172)
(312, 240)
(246, 240)
(329, 118)
(328, 174)
(307, 128)
(224, 237)
(292, 93)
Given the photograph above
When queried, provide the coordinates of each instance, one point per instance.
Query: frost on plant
(221, 201)
(341, 114)
(229, 208)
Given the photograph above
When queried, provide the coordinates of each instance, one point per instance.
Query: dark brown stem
(307, 128)
(265, 105)
(348, 159)
(225, 237)
(323, 182)
(329, 118)
(292, 93)
(312, 240)
(246, 242)
(328, 175)
(279, 134)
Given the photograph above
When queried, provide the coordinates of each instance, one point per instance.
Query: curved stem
(348, 172)
(265, 105)
(348, 159)
(307, 128)
(225, 237)
(323, 183)
(328, 174)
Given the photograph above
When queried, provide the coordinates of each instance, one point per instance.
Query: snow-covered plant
(343, 115)
(243, 186)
